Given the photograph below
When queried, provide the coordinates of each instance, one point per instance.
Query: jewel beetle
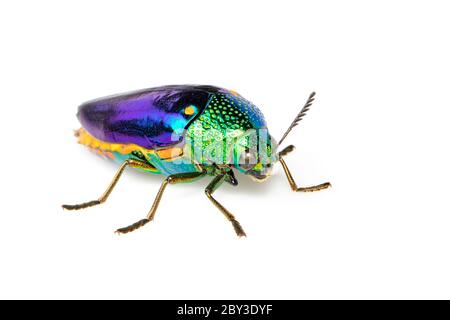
(184, 132)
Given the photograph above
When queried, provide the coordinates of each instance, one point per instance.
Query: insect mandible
(184, 132)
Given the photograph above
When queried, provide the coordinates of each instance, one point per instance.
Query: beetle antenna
(299, 117)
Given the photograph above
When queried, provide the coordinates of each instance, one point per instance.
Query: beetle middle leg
(129, 162)
(172, 179)
(215, 183)
(291, 180)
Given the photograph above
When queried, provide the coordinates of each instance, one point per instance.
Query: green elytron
(185, 133)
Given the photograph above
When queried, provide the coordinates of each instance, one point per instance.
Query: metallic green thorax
(214, 132)
(228, 126)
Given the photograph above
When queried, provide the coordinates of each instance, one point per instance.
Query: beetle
(184, 132)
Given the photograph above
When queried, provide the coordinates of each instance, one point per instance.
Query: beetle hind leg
(172, 179)
(129, 162)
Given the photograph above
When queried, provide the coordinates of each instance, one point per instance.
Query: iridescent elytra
(184, 132)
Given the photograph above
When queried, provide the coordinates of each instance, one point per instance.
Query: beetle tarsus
(319, 187)
(293, 185)
(286, 151)
(238, 228)
(81, 205)
(133, 227)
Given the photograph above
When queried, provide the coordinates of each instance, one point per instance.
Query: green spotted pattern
(223, 113)
(227, 117)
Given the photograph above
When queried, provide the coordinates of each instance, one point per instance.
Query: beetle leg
(228, 172)
(172, 179)
(214, 184)
(231, 178)
(286, 151)
(129, 162)
(294, 185)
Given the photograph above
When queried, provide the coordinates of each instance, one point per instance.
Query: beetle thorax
(227, 131)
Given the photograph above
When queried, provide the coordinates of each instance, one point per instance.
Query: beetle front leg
(291, 179)
(129, 162)
(172, 179)
(217, 181)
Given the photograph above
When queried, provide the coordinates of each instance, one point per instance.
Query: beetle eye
(247, 160)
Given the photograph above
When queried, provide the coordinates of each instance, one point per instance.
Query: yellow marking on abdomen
(106, 148)
(170, 153)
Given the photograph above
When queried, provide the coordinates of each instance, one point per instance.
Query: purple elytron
(150, 118)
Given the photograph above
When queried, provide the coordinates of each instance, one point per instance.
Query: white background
(378, 131)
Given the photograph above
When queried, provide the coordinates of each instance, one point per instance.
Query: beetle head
(255, 153)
